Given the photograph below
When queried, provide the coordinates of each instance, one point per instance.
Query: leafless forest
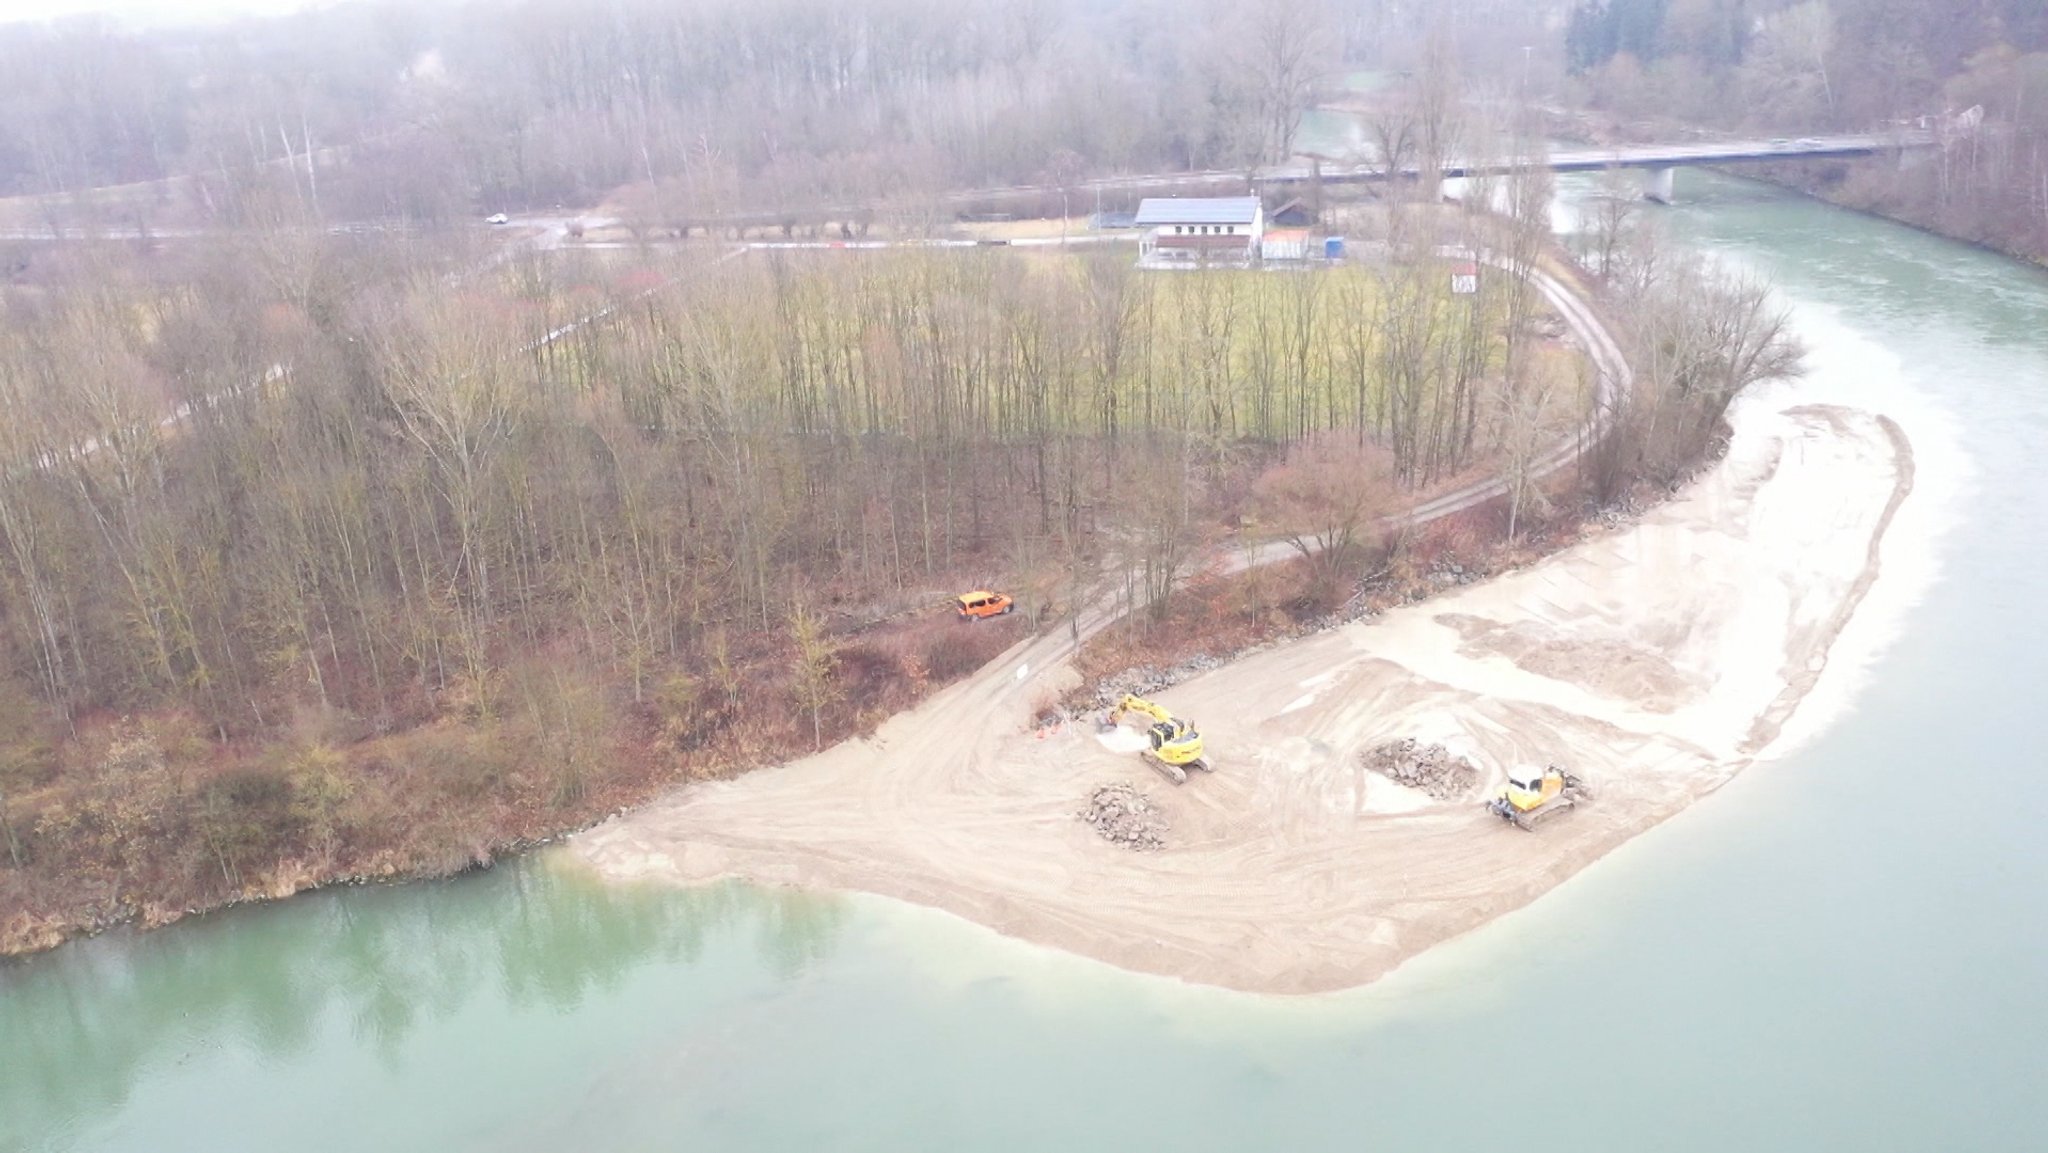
(444, 110)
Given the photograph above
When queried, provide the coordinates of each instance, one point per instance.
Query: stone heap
(1430, 768)
(1124, 816)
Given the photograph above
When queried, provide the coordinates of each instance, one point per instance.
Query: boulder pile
(1124, 816)
(1430, 768)
(1144, 680)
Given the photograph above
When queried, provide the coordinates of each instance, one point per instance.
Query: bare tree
(1525, 414)
(1323, 497)
(1697, 338)
(1287, 49)
(452, 386)
(1614, 211)
(811, 670)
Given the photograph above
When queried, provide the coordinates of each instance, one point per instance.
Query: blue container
(1333, 248)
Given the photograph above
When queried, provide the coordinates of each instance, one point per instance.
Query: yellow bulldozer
(1533, 794)
(1175, 745)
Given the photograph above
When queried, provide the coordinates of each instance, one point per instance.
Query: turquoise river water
(1846, 949)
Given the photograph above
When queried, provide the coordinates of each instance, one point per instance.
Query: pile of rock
(1619, 514)
(1430, 768)
(1445, 571)
(1144, 680)
(1124, 816)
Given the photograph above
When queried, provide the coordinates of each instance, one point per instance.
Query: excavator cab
(1528, 787)
(1174, 745)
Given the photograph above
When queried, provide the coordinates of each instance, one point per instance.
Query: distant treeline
(427, 111)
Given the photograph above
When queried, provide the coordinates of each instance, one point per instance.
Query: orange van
(982, 603)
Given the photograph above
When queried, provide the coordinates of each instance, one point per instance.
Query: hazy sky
(145, 11)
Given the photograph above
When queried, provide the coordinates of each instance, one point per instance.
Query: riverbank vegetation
(403, 581)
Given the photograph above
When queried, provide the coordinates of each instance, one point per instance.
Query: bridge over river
(1656, 161)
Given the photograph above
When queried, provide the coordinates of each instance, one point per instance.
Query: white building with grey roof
(1194, 232)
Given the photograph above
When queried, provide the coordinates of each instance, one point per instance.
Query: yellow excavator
(1176, 746)
(1533, 794)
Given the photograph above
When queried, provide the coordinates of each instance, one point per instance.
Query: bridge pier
(1657, 184)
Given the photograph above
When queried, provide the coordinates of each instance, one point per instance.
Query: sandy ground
(1657, 661)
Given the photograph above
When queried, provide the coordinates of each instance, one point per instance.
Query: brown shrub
(952, 649)
(28, 740)
(245, 818)
(151, 818)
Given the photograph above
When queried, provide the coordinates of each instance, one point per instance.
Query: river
(1844, 949)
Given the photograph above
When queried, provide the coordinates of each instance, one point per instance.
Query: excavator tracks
(1178, 774)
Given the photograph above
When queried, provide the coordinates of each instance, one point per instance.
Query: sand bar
(1656, 660)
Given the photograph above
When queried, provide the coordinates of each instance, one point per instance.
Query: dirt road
(1657, 661)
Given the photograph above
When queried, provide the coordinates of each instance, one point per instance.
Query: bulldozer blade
(1550, 808)
(1527, 820)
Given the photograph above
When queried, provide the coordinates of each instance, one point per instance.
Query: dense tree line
(375, 109)
(424, 485)
(426, 112)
